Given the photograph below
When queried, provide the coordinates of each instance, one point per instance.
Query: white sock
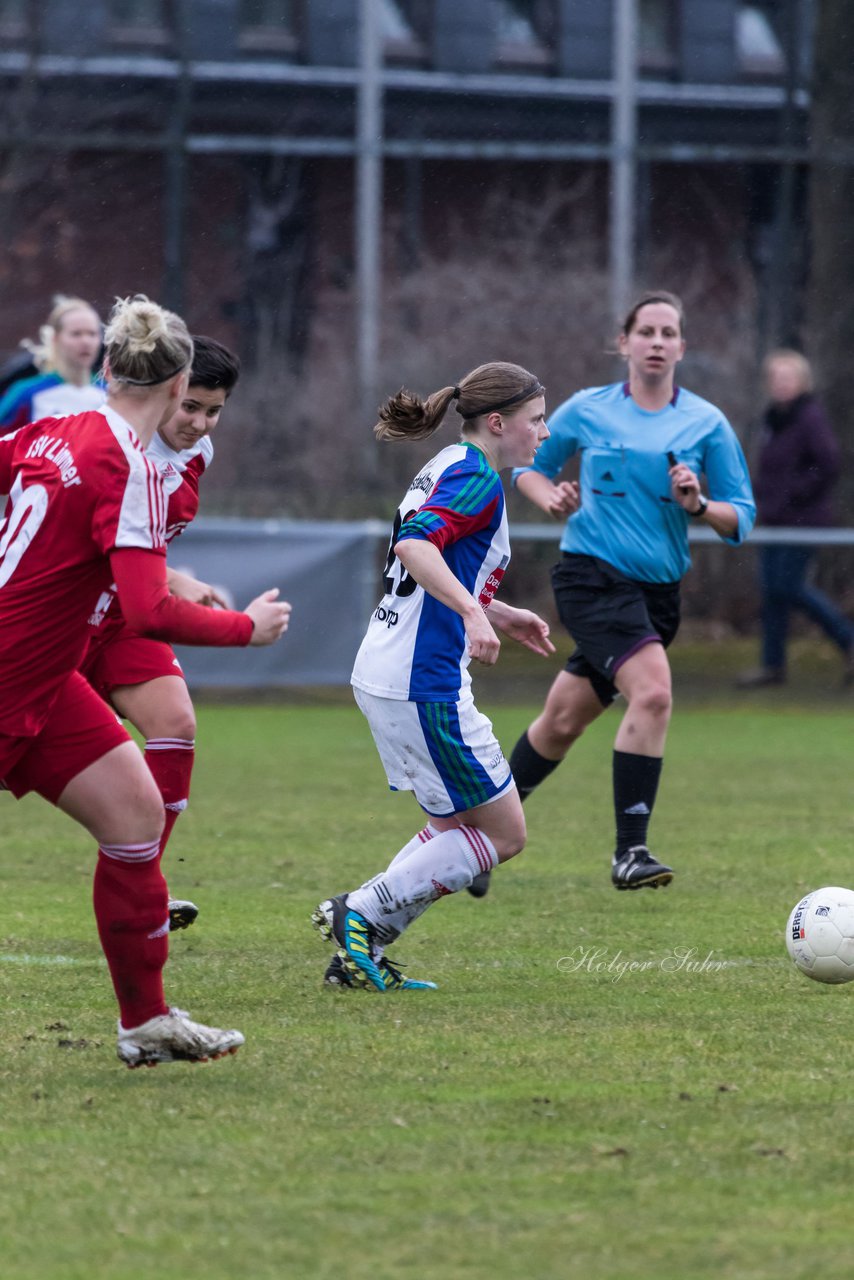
(419, 839)
(444, 864)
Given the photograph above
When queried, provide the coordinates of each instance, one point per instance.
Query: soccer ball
(820, 935)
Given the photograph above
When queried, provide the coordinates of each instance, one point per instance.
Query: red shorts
(79, 730)
(128, 658)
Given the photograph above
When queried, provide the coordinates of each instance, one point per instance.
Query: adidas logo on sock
(637, 808)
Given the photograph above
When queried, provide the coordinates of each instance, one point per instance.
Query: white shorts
(445, 752)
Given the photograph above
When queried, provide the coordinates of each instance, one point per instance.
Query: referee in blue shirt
(644, 445)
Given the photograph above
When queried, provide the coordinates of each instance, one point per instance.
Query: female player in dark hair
(140, 677)
(87, 508)
(448, 553)
(644, 444)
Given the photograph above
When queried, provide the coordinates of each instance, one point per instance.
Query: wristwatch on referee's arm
(702, 507)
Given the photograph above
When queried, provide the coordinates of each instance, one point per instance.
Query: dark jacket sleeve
(820, 455)
(798, 466)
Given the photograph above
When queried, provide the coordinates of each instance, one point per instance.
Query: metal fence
(329, 571)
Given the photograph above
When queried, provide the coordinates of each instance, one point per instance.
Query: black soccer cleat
(181, 913)
(337, 974)
(638, 869)
(479, 886)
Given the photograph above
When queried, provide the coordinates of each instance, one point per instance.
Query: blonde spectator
(65, 356)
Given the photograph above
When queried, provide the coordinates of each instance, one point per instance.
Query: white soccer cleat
(174, 1037)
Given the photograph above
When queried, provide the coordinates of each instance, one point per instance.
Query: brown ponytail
(487, 389)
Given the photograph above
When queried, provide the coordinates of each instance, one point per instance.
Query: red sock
(171, 763)
(133, 923)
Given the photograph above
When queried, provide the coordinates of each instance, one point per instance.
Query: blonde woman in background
(65, 356)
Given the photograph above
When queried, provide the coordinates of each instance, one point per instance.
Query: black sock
(528, 767)
(635, 785)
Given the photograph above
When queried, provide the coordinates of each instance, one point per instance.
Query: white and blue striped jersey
(415, 647)
(628, 515)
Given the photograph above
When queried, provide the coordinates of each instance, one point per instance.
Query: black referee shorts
(610, 617)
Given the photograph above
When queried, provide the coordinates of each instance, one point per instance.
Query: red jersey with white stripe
(180, 472)
(79, 488)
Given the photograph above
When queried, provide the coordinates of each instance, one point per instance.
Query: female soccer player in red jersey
(87, 509)
(140, 677)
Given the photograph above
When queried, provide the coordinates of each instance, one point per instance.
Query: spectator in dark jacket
(797, 468)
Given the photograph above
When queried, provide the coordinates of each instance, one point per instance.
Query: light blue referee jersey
(628, 516)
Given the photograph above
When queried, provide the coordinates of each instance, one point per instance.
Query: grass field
(614, 1086)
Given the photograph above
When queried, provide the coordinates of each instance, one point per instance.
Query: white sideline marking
(23, 958)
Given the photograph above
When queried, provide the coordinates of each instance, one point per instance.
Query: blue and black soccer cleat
(335, 922)
(337, 975)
